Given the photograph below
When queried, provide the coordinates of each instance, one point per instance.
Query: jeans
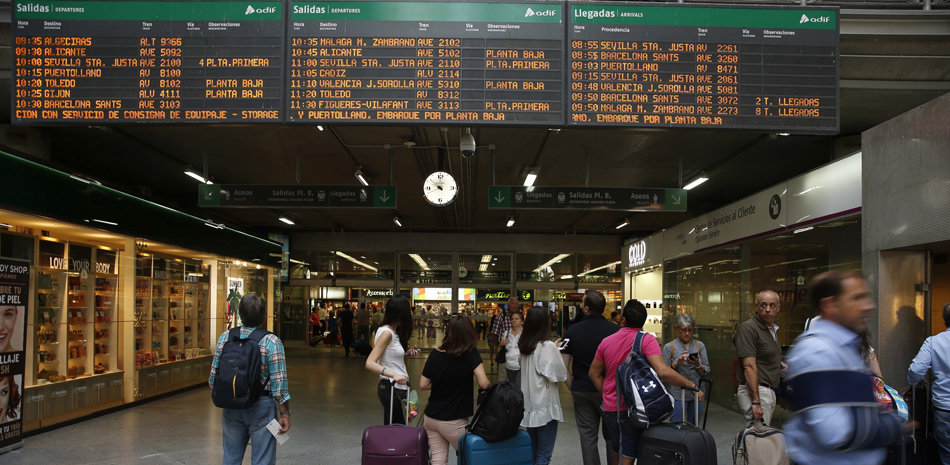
(766, 396)
(542, 443)
(942, 435)
(690, 412)
(441, 435)
(589, 417)
(384, 391)
(239, 426)
(624, 437)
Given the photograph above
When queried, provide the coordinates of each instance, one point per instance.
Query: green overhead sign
(296, 196)
(588, 198)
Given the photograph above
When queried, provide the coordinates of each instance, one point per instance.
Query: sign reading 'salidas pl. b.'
(14, 306)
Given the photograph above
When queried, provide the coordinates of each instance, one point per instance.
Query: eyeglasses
(685, 330)
(768, 304)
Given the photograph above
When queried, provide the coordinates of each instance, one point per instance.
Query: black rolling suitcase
(677, 443)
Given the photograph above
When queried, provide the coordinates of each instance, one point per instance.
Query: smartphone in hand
(563, 344)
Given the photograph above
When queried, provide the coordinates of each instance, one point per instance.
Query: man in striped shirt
(241, 425)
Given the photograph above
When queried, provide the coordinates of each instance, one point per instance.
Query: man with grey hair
(688, 357)
(935, 355)
(760, 359)
(240, 425)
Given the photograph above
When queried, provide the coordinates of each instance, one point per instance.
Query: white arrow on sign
(384, 197)
(676, 200)
(499, 198)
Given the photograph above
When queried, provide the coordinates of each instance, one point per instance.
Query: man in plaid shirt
(238, 425)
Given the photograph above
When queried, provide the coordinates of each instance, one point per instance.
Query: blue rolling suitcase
(473, 450)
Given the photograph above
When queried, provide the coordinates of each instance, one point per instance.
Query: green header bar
(425, 11)
(149, 11)
(680, 15)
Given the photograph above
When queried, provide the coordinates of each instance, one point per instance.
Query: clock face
(440, 189)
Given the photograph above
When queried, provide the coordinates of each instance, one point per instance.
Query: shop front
(714, 265)
(107, 314)
(642, 262)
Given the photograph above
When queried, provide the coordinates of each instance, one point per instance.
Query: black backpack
(237, 379)
(499, 415)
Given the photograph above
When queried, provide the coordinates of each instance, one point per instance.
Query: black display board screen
(685, 66)
(152, 61)
(425, 62)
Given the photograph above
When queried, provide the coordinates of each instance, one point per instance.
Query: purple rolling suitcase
(680, 443)
(395, 444)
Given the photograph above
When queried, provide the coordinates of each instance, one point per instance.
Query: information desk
(675, 65)
(479, 63)
(196, 61)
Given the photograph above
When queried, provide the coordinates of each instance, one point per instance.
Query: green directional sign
(588, 198)
(296, 196)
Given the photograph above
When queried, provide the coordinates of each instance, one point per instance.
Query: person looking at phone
(688, 357)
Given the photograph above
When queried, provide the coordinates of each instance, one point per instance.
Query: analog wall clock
(440, 189)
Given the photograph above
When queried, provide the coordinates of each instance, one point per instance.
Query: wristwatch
(287, 414)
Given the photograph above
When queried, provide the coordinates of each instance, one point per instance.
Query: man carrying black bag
(250, 401)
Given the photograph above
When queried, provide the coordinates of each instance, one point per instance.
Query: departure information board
(683, 66)
(150, 61)
(422, 62)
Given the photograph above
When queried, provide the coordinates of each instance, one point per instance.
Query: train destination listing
(426, 62)
(147, 61)
(703, 67)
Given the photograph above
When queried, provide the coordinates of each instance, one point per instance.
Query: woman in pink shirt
(611, 353)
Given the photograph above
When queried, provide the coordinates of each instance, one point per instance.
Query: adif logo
(250, 9)
(820, 19)
(531, 12)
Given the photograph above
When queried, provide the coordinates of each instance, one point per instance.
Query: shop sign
(105, 261)
(378, 293)
(487, 277)
(637, 254)
(53, 255)
(504, 295)
(15, 295)
(574, 296)
(671, 296)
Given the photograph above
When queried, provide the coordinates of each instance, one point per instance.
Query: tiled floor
(333, 400)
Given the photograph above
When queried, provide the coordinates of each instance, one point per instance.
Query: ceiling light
(567, 276)
(396, 220)
(196, 175)
(359, 175)
(105, 222)
(530, 178)
(804, 229)
(511, 221)
(783, 134)
(622, 224)
(287, 219)
(695, 182)
(320, 128)
(486, 258)
(6, 225)
(258, 267)
(419, 261)
(551, 262)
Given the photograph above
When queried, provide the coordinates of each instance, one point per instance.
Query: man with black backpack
(249, 381)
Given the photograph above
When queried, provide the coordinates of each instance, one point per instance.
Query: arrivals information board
(422, 62)
(169, 62)
(728, 66)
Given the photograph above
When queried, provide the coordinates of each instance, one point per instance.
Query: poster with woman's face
(11, 395)
(11, 327)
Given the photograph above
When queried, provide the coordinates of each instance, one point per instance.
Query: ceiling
(881, 77)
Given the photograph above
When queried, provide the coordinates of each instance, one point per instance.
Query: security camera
(467, 144)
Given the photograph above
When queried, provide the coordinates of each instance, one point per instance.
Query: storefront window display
(719, 287)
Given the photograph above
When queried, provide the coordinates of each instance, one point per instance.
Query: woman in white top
(541, 369)
(512, 354)
(388, 358)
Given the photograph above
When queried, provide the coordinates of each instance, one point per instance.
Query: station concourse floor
(333, 399)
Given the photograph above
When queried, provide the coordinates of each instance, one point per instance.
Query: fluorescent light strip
(530, 178)
(486, 258)
(483, 267)
(105, 222)
(696, 182)
(599, 268)
(341, 254)
(804, 229)
(287, 220)
(551, 262)
(422, 263)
